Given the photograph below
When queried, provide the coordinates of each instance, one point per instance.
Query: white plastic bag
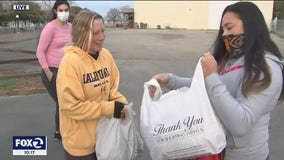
(118, 139)
(181, 123)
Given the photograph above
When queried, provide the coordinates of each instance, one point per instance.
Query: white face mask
(63, 16)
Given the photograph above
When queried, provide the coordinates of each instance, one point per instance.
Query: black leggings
(51, 89)
(87, 157)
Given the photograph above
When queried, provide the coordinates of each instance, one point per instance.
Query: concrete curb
(17, 60)
(19, 40)
(17, 50)
(20, 75)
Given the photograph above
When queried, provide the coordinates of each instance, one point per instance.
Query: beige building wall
(266, 8)
(215, 12)
(189, 14)
(174, 14)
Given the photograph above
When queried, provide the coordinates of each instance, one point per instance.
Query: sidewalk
(280, 34)
(21, 36)
(17, 51)
(18, 36)
(32, 115)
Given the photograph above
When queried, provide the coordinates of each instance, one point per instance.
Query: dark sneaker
(57, 135)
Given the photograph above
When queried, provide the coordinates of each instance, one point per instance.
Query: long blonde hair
(82, 29)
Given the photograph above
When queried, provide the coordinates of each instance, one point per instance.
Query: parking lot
(139, 54)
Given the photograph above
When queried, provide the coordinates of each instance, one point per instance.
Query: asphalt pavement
(139, 54)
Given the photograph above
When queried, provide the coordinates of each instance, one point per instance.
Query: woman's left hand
(123, 113)
(209, 64)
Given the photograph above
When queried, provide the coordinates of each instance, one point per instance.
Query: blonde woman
(88, 82)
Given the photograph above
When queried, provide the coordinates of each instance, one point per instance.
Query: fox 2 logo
(29, 142)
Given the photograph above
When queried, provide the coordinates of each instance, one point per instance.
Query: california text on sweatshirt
(87, 89)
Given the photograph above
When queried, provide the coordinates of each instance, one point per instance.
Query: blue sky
(102, 7)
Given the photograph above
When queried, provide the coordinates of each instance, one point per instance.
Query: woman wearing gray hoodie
(243, 78)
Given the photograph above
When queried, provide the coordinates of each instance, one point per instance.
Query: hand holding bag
(181, 123)
(118, 139)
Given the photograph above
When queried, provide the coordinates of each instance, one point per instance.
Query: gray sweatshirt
(246, 119)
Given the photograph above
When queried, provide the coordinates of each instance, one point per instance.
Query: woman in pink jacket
(53, 38)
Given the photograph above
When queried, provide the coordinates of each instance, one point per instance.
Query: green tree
(31, 15)
(3, 15)
(46, 8)
(74, 10)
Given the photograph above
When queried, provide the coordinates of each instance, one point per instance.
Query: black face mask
(233, 44)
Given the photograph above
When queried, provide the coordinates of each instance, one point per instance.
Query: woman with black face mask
(244, 81)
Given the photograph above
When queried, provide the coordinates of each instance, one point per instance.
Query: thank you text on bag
(181, 123)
